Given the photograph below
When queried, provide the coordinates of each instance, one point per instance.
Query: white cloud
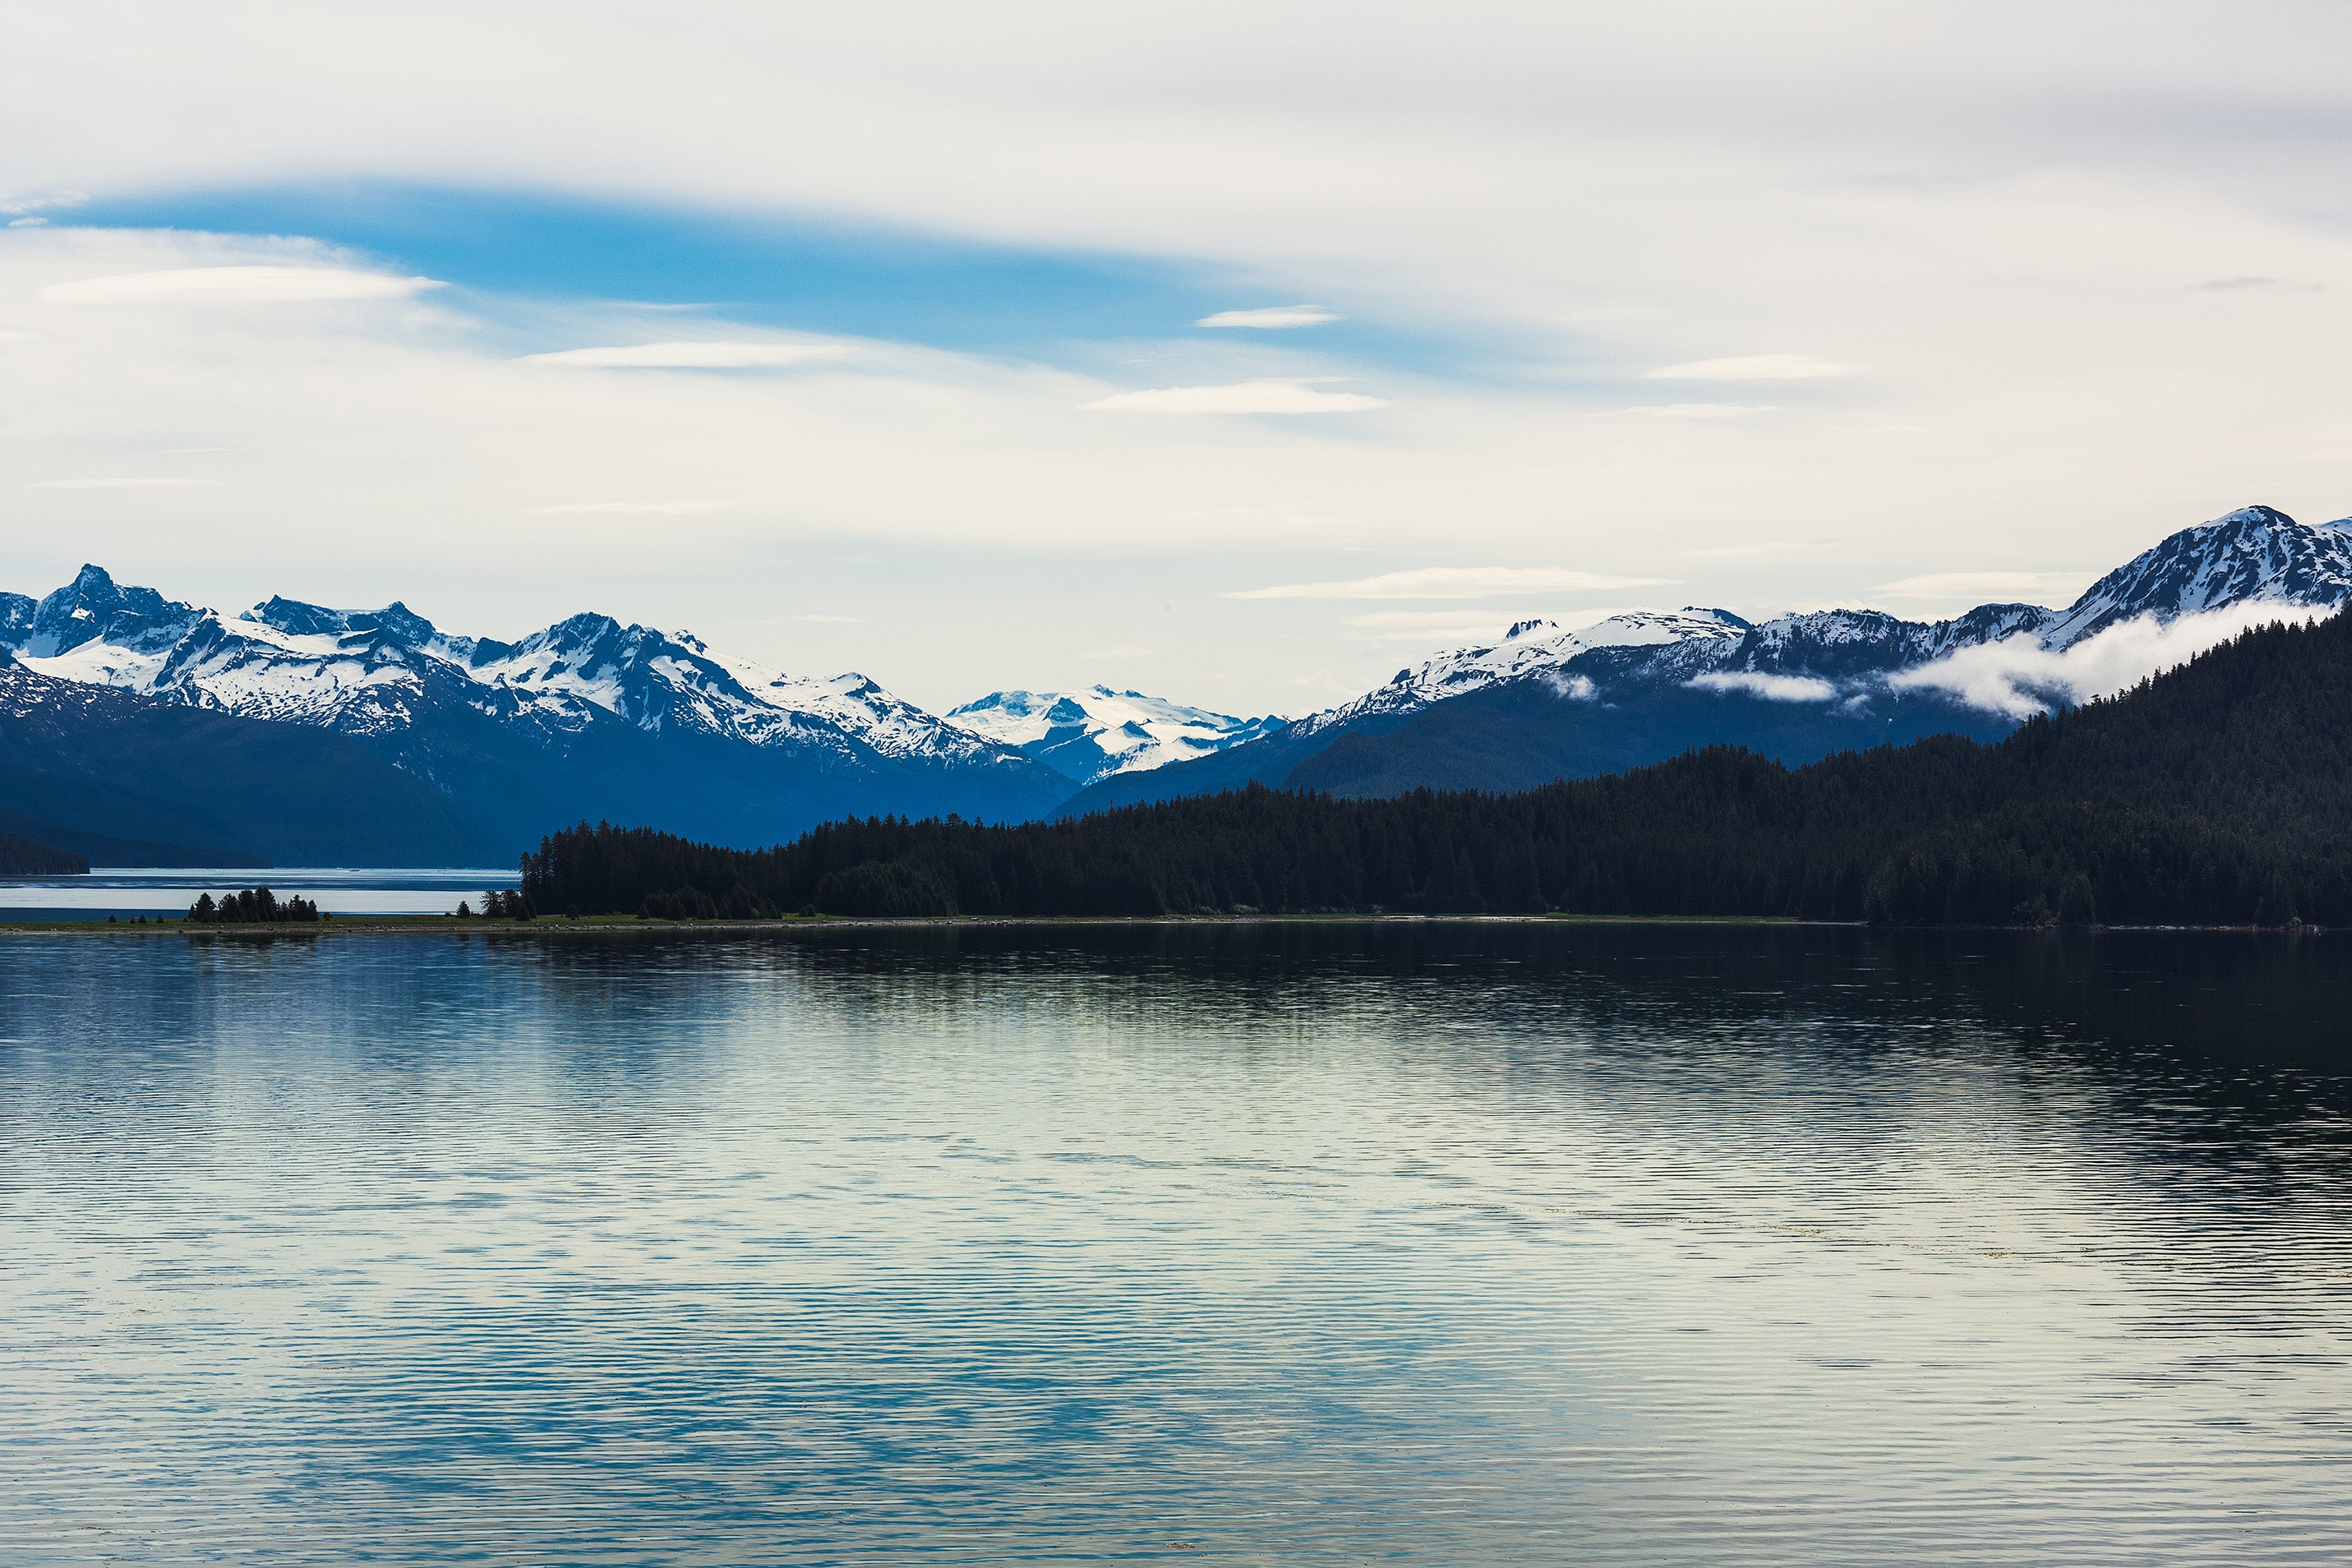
(2247, 285)
(1574, 688)
(1771, 688)
(121, 484)
(715, 355)
(233, 286)
(833, 620)
(651, 507)
(1695, 411)
(1268, 396)
(1271, 317)
(15, 205)
(1978, 587)
(1124, 650)
(2020, 678)
(1451, 583)
(1755, 367)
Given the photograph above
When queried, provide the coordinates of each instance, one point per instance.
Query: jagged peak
(2264, 516)
(297, 618)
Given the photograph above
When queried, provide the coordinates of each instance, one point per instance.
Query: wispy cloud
(1755, 367)
(1694, 411)
(653, 507)
(1451, 583)
(1271, 317)
(1981, 585)
(121, 484)
(833, 620)
(233, 286)
(16, 206)
(1771, 688)
(1269, 396)
(2020, 678)
(2251, 285)
(713, 354)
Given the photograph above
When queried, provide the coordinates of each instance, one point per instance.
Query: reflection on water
(1305, 1244)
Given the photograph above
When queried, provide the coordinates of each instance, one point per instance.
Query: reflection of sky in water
(134, 890)
(1496, 1245)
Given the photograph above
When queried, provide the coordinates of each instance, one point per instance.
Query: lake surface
(1433, 1244)
(129, 891)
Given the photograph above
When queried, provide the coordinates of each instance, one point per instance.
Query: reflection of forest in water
(2268, 995)
(1985, 1246)
(2244, 1033)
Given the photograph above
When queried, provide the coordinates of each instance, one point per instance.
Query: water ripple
(1332, 1245)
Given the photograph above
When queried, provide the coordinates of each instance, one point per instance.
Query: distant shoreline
(623, 925)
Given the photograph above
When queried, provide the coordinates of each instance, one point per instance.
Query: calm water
(129, 891)
(1438, 1244)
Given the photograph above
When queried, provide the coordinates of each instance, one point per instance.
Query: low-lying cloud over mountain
(591, 718)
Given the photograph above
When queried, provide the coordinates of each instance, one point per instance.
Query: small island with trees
(253, 906)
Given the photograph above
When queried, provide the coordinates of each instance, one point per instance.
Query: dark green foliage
(2217, 794)
(499, 904)
(254, 905)
(22, 857)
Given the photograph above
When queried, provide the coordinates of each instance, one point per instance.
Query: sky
(1236, 354)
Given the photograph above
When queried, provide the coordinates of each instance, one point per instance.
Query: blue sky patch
(794, 273)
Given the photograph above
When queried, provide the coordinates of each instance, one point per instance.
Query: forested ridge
(2219, 793)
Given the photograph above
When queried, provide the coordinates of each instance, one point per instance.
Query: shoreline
(613, 925)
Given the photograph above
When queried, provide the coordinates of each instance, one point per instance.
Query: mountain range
(144, 728)
(1547, 703)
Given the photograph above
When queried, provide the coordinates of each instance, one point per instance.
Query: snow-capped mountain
(130, 781)
(2255, 555)
(591, 718)
(1647, 686)
(369, 671)
(587, 717)
(1092, 734)
(1529, 647)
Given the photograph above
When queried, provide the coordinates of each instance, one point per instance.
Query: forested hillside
(2219, 793)
(124, 779)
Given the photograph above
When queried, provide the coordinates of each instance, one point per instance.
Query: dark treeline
(254, 905)
(499, 904)
(22, 857)
(2219, 793)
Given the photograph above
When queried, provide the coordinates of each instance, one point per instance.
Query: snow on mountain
(368, 672)
(1532, 647)
(2255, 554)
(1092, 734)
(591, 710)
(1844, 644)
(2189, 592)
